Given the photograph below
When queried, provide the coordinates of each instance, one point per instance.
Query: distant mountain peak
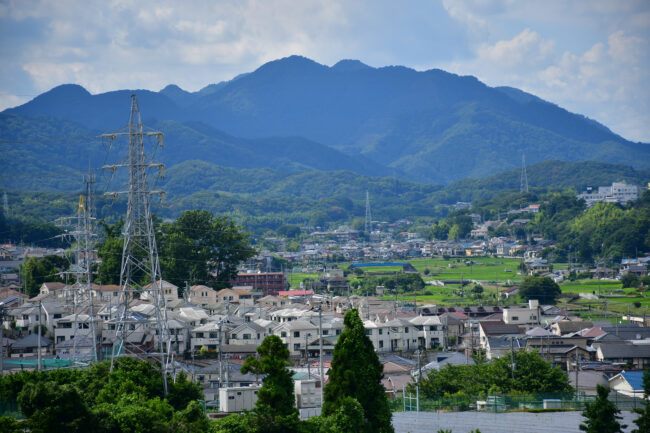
(350, 65)
(295, 62)
(68, 90)
(172, 88)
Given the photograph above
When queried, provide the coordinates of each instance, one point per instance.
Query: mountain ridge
(427, 126)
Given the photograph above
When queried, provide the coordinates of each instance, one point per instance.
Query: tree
(37, 271)
(9, 425)
(601, 415)
(274, 410)
(52, 407)
(629, 280)
(202, 249)
(542, 288)
(348, 417)
(643, 421)
(356, 372)
(289, 231)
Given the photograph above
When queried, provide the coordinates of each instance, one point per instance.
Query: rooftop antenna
(368, 215)
(523, 184)
(140, 274)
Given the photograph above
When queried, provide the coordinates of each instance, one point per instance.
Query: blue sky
(591, 56)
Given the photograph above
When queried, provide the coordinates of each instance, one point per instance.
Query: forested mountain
(263, 199)
(44, 153)
(429, 126)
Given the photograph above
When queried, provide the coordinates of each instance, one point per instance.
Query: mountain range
(296, 115)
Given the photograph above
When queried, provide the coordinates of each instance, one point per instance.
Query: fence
(9, 407)
(414, 402)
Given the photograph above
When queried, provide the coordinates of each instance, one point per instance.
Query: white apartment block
(618, 192)
(528, 316)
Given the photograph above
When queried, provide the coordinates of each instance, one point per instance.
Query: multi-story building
(618, 192)
(268, 282)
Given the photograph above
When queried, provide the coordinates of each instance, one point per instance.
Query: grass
(482, 269)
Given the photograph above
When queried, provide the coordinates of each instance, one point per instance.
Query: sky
(588, 56)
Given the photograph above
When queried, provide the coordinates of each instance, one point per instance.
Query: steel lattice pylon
(368, 215)
(523, 183)
(140, 276)
(80, 229)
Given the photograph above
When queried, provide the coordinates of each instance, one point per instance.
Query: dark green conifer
(356, 372)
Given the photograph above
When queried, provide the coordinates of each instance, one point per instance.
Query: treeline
(529, 375)
(196, 248)
(399, 283)
(30, 232)
(129, 398)
(264, 199)
(606, 232)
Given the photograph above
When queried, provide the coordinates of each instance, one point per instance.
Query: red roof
(458, 314)
(295, 292)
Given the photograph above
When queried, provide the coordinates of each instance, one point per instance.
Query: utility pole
(307, 335)
(512, 358)
(220, 358)
(140, 261)
(2, 344)
(320, 350)
(577, 359)
(40, 326)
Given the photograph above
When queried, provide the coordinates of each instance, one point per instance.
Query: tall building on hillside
(618, 192)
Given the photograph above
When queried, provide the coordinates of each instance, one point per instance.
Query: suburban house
(28, 346)
(628, 383)
(202, 295)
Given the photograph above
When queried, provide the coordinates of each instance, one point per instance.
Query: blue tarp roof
(634, 378)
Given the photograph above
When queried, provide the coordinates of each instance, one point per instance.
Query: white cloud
(526, 48)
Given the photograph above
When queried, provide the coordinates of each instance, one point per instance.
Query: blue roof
(634, 378)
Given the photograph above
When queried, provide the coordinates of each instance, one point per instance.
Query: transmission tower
(368, 216)
(523, 183)
(5, 204)
(140, 275)
(80, 230)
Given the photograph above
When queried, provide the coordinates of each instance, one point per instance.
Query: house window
(406, 330)
(216, 335)
(296, 346)
(247, 336)
(325, 332)
(296, 333)
(381, 343)
(368, 331)
(515, 317)
(233, 336)
(114, 293)
(199, 335)
(57, 316)
(381, 331)
(283, 334)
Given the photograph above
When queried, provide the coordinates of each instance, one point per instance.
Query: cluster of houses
(232, 323)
